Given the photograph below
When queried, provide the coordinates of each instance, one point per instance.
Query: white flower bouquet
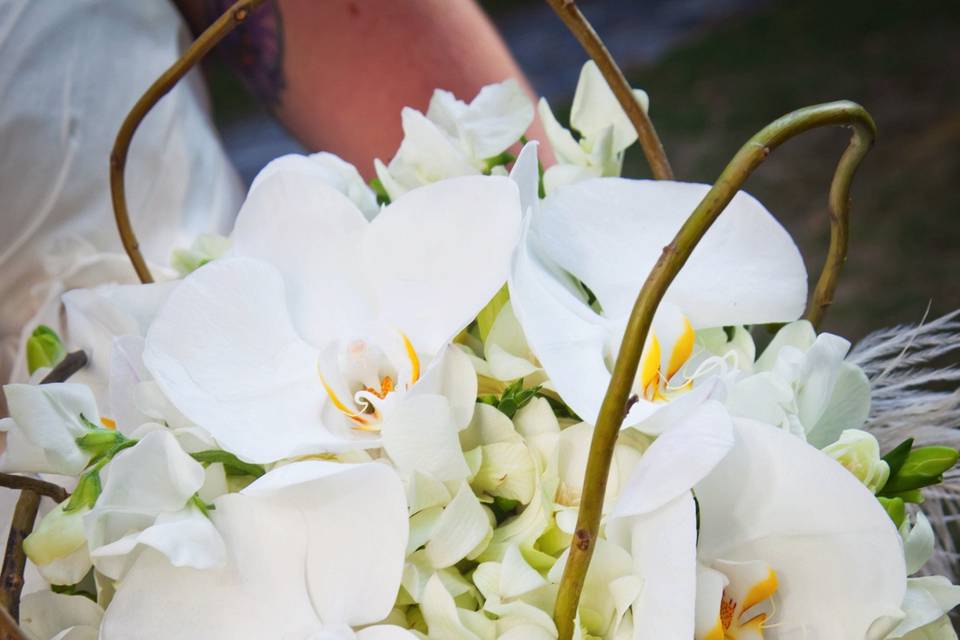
(437, 408)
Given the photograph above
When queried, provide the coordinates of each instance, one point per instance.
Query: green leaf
(44, 348)
(895, 509)
(490, 312)
(898, 455)
(231, 463)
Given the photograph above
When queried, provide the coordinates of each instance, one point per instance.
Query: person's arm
(337, 72)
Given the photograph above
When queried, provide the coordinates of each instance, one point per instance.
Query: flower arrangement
(435, 407)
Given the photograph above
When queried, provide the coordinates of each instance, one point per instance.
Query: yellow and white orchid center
(745, 603)
(658, 366)
(108, 423)
(368, 377)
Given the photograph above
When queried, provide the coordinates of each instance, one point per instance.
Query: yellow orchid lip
(730, 624)
(653, 380)
(368, 416)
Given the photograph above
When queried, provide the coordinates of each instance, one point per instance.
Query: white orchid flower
(46, 615)
(605, 132)
(789, 545)
(315, 550)
(44, 425)
(325, 332)
(928, 598)
(607, 233)
(147, 501)
(802, 384)
(454, 138)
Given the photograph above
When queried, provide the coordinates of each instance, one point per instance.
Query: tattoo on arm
(254, 50)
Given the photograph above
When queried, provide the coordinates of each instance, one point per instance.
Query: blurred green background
(718, 71)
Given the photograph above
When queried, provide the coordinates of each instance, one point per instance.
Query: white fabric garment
(69, 72)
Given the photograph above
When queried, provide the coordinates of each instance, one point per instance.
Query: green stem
(578, 24)
(674, 256)
(226, 23)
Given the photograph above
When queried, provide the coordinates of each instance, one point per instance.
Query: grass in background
(901, 60)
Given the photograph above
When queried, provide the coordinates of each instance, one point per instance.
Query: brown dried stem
(593, 45)
(24, 516)
(226, 23)
(26, 483)
(674, 256)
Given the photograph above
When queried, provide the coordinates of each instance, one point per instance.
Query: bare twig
(593, 45)
(53, 491)
(672, 259)
(8, 627)
(24, 516)
(73, 362)
(14, 558)
(226, 23)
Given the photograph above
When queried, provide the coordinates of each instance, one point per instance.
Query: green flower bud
(895, 508)
(58, 534)
(44, 348)
(923, 467)
(859, 452)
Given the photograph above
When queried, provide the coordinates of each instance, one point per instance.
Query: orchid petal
(462, 527)
(677, 460)
(526, 173)
(226, 354)
(46, 423)
(355, 517)
(496, 118)
(746, 270)
(839, 571)
(570, 337)
(44, 614)
(448, 241)
(595, 107)
(565, 147)
(307, 230)
(96, 316)
(451, 374)
(664, 547)
(327, 539)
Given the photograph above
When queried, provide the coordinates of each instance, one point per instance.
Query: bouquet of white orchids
(436, 408)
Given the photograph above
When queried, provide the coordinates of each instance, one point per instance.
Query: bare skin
(337, 72)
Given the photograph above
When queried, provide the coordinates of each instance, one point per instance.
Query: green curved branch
(656, 157)
(226, 23)
(674, 256)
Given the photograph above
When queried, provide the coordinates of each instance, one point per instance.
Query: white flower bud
(859, 452)
(58, 546)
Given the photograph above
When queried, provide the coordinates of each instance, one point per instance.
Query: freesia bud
(57, 545)
(859, 452)
(923, 467)
(44, 348)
